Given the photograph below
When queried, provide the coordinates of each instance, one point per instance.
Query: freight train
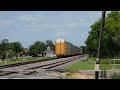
(64, 48)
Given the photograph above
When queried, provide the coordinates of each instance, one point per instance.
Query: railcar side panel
(60, 47)
(64, 48)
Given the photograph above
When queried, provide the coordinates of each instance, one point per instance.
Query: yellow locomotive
(64, 48)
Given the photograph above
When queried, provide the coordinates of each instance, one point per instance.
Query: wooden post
(99, 46)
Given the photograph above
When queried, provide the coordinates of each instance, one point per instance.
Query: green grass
(83, 65)
(106, 61)
(105, 67)
(104, 64)
(108, 66)
(90, 65)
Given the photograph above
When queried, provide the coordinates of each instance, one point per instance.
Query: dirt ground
(78, 75)
(73, 75)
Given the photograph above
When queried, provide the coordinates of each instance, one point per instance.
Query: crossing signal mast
(99, 46)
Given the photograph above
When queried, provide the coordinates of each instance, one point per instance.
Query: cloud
(28, 27)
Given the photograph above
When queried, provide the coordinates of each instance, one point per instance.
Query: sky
(28, 27)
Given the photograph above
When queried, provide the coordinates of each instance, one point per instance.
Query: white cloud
(46, 25)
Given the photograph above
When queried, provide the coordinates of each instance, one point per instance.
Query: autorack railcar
(64, 48)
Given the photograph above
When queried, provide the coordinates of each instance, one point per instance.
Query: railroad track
(30, 70)
(52, 65)
(24, 63)
(3, 73)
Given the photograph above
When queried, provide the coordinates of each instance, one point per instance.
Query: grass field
(90, 65)
(83, 65)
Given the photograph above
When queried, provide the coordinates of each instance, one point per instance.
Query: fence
(114, 62)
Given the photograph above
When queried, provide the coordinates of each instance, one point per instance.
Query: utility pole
(99, 46)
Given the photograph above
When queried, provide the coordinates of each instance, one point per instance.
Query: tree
(37, 48)
(83, 48)
(17, 47)
(3, 45)
(11, 53)
(111, 36)
(10, 46)
(51, 44)
(9, 49)
(3, 48)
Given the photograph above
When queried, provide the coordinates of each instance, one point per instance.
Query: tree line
(39, 47)
(111, 37)
(11, 49)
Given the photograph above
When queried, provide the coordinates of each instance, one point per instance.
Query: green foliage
(111, 36)
(11, 53)
(37, 48)
(51, 44)
(8, 50)
(83, 65)
(3, 48)
(83, 48)
(3, 45)
(17, 47)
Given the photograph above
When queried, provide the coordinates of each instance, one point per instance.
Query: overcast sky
(30, 26)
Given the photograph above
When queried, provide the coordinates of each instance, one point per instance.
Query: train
(64, 48)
